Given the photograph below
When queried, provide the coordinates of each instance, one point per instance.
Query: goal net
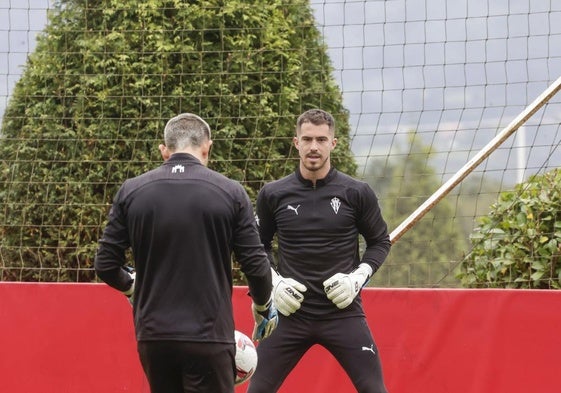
(425, 86)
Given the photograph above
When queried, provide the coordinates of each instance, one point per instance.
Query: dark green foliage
(424, 255)
(106, 75)
(518, 244)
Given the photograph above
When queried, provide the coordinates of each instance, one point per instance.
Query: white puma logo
(295, 209)
(371, 349)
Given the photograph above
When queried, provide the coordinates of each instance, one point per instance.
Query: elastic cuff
(129, 292)
(264, 307)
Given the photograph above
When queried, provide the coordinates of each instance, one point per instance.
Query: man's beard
(318, 165)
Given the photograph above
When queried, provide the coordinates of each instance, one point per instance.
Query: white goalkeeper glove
(287, 294)
(266, 320)
(342, 288)
(129, 293)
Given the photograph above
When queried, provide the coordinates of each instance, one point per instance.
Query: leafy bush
(518, 245)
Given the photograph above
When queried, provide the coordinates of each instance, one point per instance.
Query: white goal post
(410, 221)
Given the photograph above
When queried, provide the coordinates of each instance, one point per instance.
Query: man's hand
(266, 320)
(287, 294)
(129, 293)
(342, 288)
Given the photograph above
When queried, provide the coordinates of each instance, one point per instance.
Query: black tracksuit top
(318, 230)
(182, 222)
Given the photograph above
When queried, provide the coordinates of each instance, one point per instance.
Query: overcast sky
(457, 71)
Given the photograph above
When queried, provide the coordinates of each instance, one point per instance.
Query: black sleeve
(110, 256)
(250, 253)
(266, 224)
(373, 228)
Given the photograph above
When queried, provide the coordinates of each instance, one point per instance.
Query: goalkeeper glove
(287, 294)
(129, 293)
(342, 288)
(266, 320)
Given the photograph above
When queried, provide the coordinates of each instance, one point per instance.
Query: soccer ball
(246, 357)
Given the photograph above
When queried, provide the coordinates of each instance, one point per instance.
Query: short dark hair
(316, 117)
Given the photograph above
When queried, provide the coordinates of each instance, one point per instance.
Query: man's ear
(164, 152)
(295, 142)
(205, 151)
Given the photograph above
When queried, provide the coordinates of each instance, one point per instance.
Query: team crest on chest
(335, 204)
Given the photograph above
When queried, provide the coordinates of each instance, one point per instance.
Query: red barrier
(78, 338)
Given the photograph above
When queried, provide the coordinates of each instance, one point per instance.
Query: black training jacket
(318, 230)
(182, 222)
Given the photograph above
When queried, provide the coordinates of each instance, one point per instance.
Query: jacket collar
(320, 182)
(182, 157)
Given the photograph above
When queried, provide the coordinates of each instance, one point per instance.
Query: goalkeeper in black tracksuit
(182, 222)
(317, 215)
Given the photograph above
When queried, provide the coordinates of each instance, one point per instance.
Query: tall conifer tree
(106, 75)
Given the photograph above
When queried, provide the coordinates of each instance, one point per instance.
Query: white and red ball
(246, 357)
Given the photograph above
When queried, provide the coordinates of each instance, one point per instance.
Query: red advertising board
(79, 338)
